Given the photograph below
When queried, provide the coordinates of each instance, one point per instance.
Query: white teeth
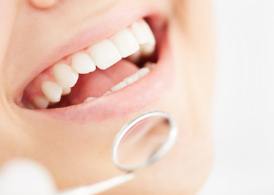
(134, 42)
(148, 49)
(104, 54)
(52, 91)
(64, 75)
(131, 79)
(82, 63)
(144, 36)
(40, 102)
(140, 74)
(125, 42)
(119, 86)
(144, 71)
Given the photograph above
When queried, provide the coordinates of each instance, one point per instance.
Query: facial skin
(43, 4)
(78, 154)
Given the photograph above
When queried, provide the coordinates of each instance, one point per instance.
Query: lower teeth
(131, 79)
(128, 81)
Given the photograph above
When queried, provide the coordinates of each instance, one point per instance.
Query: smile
(115, 75)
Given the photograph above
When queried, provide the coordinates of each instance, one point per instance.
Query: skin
(82, 156)
(43, 4)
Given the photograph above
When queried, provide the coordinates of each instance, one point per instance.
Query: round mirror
(143, 141)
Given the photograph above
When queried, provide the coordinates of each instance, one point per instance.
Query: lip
(130, 99)
(93, 30)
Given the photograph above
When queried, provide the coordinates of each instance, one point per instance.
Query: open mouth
(101, 69)
(105, 71)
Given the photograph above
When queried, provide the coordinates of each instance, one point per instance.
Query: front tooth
(143, 32)
(41, 102)
(82, 63)
(125, 42)
(52, 91)
(104, 54)
(64, 75)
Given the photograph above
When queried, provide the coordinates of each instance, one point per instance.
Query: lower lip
(130, 99)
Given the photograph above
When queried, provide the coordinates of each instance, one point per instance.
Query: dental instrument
(155, 155)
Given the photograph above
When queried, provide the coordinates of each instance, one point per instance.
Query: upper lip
(115, 104)
(92, 30)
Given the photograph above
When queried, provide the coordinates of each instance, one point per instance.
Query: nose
(43, 4)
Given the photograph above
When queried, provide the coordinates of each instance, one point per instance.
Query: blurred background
(244, 109)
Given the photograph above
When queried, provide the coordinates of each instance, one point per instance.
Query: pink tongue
(99, 82)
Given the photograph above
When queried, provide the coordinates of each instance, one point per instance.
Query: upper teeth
(125, 42)
(82, 63)
(104, 54)
(136, 38)
(64, 75)
(52, 91)
(144, 36)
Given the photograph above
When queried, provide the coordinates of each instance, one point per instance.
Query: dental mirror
(139, 144)
(143, 141)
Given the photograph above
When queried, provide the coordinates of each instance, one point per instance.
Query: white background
(244, 109)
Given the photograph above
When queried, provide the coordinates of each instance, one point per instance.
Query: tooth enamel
(40, 102)
(143, 72)
(143, 32)
(52, 91)
(119, 86)
(66, 91)
(64, 75)
(138, 75)
(125, 42)
(144, 36)
(82, 63)
(104, 54)
(147, 49)
(131, 79)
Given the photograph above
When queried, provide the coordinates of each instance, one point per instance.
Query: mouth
(116, 75)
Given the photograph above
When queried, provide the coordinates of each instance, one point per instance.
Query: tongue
(99, 82)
